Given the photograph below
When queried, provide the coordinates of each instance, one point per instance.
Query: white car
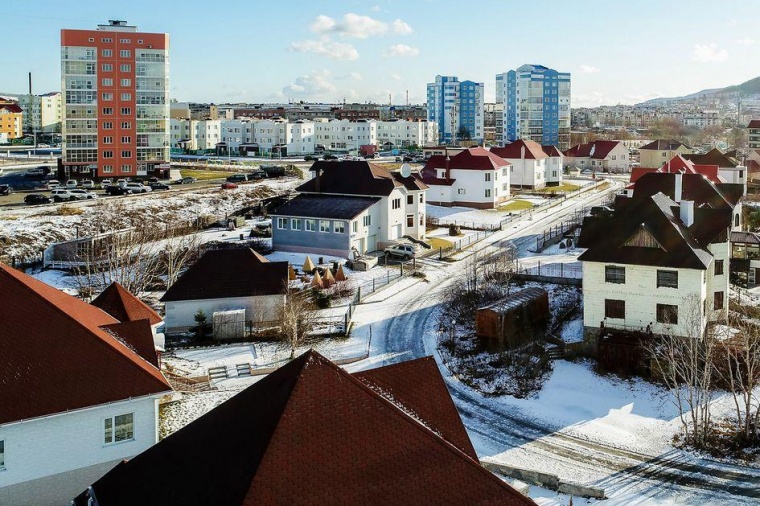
(71, 183)
(105, 183)
(61, 194)
(405, 251)
(52, 184)
(78, 194)
(138, 188)
(88, 184)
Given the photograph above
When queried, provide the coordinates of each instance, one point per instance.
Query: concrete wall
(181, 314)
(527, 173)
(64, 443)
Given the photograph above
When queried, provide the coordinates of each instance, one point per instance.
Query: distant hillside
(751, 87)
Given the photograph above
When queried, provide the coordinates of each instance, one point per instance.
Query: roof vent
(117, 22)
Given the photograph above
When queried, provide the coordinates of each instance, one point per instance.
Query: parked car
(105, 183)
(79, 194)
(153, 180)
(257, 174)
(138, 187)
(185, 180)
(405, 251)
(61, 194)
(310, 158)
(159, 186)
(88, 184)
(236, 178)
(228, 185)
(117, 190)
(37, 198)
(52, 184)
(72, 183)
(397, 159)
(328, 156)
(5, 189)
(121, 182)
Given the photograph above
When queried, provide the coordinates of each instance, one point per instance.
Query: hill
(751, 87)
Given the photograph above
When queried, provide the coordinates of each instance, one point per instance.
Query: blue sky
(328, 50)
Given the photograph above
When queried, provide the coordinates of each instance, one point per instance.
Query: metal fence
(550, 269)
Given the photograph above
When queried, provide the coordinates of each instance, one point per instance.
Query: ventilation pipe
(678, 190)
(687, 212)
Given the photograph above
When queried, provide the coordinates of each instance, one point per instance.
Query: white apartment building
(405, 133)
(42, 113)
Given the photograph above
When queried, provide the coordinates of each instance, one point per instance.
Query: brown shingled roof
(57, 358)
(125, 307)
(755, 123)
(220, 274)
(533, 150)
(310, 433)
(351, 178)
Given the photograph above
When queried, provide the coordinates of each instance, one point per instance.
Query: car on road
(61, 195)
(185, 180)
(53, 183)
(5, 189)
(121, 182)
(405, 251)
(229, 185)
(105, 183)
(159, 186)
(42, 145)
(79, 194)
(329, 156)
(72, 183)
(310, 158)
(236, 178)
(138, 188)
(37, 198)
(114, 190)
(87, 184)
(257, 174)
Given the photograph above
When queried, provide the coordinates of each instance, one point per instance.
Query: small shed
(229, 324)
(515, 319)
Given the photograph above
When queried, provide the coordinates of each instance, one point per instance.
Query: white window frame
(110, 431)
(282, 223)
(339, 227)
(295, 224)
(2, 454)
(310, 225)
(324, 225)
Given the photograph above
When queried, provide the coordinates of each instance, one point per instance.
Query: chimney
(687, 212)
(30, 83)
(678, 190)
(448, 170)
(317, 171)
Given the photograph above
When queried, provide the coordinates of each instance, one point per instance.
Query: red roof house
(310, 433)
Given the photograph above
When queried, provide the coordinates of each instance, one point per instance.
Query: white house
(475, 177)
(661, 258)
(532, 165)
(608, 156)
(223, 281)
(350, 206)
(404, 133)
(77, 398)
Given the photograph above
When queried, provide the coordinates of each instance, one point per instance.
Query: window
(422, 198)
(108, 140)
(119, 428)
(107, 53)
(125, 67)
(106, 40)
(718, 267)
(107, 169)
(355, 226)
(488, 176)
(2, 454)
(107, 67)
(461, 191)
(718, 300)
(107, 96)
(126, 153)
(667, 279)
(614, 274)
(282, 223)
(396, 204)
(295, 224)
(311, 225)
(367, 220)
(107, 154)
(614, 308)
(107, 81)
(339, 227)
(125, 41)
(409, 200)
(736, 220)
(126, 111)
(488, 192)
(107, 125)
(125, 53)
(108, 111)
(126, 97)
(126, 168)
(126, 83)
(410, 220)
(324, 225)
(126, 125)
(667, 313)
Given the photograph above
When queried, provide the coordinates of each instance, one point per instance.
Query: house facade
(660, 263)
(753, 129)
(350, 206)
(602, 156)
(658, 152)
(55, 435)
(475, 177)
(531, 165)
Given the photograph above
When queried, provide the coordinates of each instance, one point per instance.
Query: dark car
(153, 180)
(185, 180)
(310, 158)
(329, 156)
(236, 178)
(258, 174)
(37, 198)
(117, 190)
(5, 189)
(159, 186)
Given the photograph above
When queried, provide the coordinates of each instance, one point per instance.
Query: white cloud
(588, 69)
(395, 77)
(375, 8)
(326, 47)
(315, 86)
(353, 75)
(402, 50)
(357, 26)
(708, 53)
(745, 41)
(401, 27)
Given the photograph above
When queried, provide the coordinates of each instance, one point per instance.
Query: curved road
(617, 470)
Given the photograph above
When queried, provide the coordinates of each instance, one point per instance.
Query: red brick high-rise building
(115, 107)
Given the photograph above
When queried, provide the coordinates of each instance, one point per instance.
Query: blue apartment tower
(457, 108)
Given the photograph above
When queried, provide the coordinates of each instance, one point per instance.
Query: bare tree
(296, 319)
(685, 362)
(176, 253)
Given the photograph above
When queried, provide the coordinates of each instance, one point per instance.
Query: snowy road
(405, 328)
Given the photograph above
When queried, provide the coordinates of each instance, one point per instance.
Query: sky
(618, 51)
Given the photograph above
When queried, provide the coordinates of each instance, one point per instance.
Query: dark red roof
(755, 123)
(712, 157)
(138, 336)
(221, 274)
(551, 150)
(514, 150)
(12, 107)
(680, 164)
(597, 150)
(56, 355)
(351, 178)
(470, 159)
(662, 145)
(308, 434)
(125, 307)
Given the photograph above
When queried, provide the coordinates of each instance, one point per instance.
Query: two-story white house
(601, 156)
(475, 177)
(350, 206)
(80, 392)
(532, 165)
(659, 263)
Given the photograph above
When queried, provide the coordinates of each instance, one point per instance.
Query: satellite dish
(406, 170)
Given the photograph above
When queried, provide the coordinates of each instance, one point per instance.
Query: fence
(554, 234)
(462, 243)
